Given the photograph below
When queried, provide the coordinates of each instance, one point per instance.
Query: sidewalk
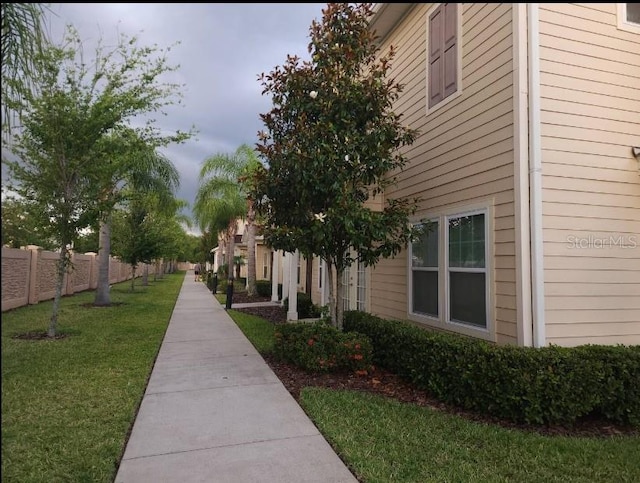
(215, 412)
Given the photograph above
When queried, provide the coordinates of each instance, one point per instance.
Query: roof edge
(386, 16)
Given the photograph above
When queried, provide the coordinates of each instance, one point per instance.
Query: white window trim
(443, 320)
(458, 92)
(623, 24)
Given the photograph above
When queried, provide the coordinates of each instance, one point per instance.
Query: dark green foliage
(222, 284)
(333, 142)
(550, 385)
(306, 307)
(321, 348)
(223, 271)
(263, 287)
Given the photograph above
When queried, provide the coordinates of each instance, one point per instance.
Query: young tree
(136, 237)
(332, 142)
(64, 140)
(146, 226)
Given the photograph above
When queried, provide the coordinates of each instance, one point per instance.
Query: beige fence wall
(29, 275)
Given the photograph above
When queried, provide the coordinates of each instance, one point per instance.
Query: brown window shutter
(436, 47)
(450, 68)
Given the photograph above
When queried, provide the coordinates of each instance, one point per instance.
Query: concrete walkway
(215, 412)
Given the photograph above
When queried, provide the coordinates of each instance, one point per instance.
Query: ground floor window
(424, 266)
(449, 278)
(466, 269)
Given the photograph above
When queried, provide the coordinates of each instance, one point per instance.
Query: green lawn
(383, 440)
(67, 405)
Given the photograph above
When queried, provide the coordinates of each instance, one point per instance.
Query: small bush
(322, 348)
(263, 287)
(222, 285)
(306, 308)
(223, 272)
(549, 385)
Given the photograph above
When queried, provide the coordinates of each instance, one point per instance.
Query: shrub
(222, 285)
(322, 348)
(549, 385)
(306, 308)
(223, 272)
(263, 287)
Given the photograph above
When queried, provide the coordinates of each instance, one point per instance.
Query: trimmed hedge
(549, 385)
(263, 287)
(322, 348)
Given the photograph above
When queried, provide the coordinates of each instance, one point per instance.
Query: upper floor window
(629, 17)
(443, 53)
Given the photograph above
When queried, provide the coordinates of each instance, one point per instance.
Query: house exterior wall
(464, 154)
(590, 100)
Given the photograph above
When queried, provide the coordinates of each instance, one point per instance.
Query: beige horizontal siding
(464, 154)
(590, 99)
(601, 339)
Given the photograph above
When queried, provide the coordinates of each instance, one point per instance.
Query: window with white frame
(449, 271)
(444, 53)
(424, 269)
(467, 270)
(629, 17)
(361, 287)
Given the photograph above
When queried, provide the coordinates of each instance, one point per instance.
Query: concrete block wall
(29, 275)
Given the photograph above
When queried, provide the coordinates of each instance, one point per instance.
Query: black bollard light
(229, 293)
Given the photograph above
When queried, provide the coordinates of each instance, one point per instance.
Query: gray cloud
(222, 49)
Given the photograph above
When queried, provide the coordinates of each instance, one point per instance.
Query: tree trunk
(332, 298)
(339, 297)
(219, 254)
(62, 267)
(103, 296)
(133, 277)
(231, 248)
(251, 249)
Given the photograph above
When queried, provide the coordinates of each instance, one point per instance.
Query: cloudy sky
(223, 48)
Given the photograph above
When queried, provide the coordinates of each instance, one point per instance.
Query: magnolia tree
(333, 142)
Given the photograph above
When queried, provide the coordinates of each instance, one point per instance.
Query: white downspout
(535, 160)
(521, 173)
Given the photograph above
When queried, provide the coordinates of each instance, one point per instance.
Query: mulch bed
(384, 383)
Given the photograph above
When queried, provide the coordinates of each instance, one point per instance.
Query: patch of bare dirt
(38, 336)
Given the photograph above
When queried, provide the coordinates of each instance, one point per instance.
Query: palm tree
(134, 166)
(222, 199)
(23, 40)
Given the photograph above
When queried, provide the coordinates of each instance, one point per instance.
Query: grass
(383, 440)
(258, 330)
(68, 404)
